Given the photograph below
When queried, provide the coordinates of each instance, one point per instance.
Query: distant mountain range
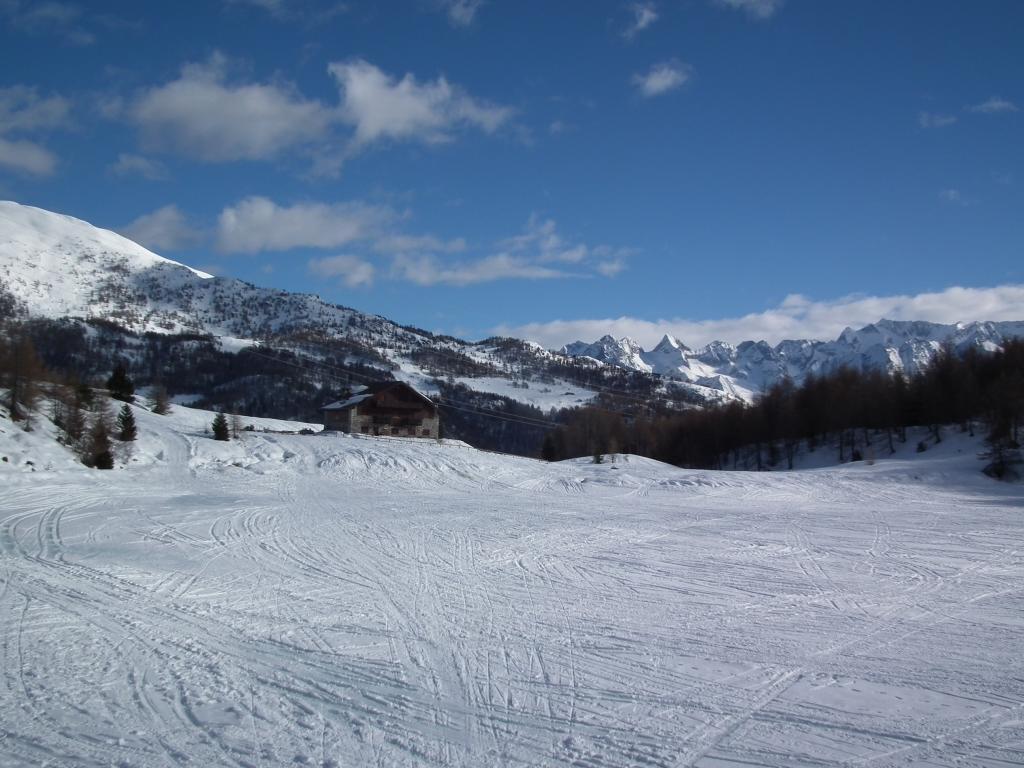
(746, 369)
(58, 267)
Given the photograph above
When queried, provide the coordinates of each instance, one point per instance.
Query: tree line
(84, 417)
(853, 412)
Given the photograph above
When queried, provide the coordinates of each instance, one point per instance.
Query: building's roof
(367, 391)
(343, 405)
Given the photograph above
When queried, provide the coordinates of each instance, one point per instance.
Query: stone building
(384, 408)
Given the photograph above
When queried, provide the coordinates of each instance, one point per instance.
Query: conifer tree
(97, 450)
(161, 402)
(20, 373)
(120, 385)
(84, 396)
(68, 415)
(220, 427)
(126, 428)
(548, 452)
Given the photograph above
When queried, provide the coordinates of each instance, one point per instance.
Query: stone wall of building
(340, 420)
(363, 424)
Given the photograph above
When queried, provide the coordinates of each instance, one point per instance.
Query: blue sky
(710, 168)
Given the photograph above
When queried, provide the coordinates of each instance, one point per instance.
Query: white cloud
(62, 19)
(663, 77)
(427, 270)
(952, 196)
(136, 165)
(289, 10)
(756, 9)
(611, 267)
(798, 317)
(644, 15)
(542, 240)
(207, 115)
(23, 110)
(398, 243)
(935, 120)
(461, 13)
(274, 7)
(539, 253)
(27, 157)
(165, 229)
(994, 106)
(258, 224)
(351, 270)
(379, 106)
(202, 115)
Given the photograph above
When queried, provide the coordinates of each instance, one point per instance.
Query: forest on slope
(857, 413)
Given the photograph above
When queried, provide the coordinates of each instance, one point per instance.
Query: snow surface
(557, 394)
(49, 256)
(338, 600)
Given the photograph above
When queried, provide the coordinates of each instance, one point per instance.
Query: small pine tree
(220, 427)
(84, 396)
(97, 450)
(126, 428)
(68, 414)
(548, 451)
(1003, 454)
(161, 402)
(120, 385)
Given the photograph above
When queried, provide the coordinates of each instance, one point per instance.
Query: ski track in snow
(335, 601)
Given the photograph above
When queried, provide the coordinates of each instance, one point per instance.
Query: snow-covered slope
(60, 265)
(57, 266)
(624, 353)
(328, 600)
(746, 369)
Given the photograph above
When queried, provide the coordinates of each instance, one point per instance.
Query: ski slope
(324, 600)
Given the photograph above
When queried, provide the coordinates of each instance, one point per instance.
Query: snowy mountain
(746, 369)
(624, 353)
(58, 267)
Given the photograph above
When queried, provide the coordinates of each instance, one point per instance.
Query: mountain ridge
(58, 266)
(903, 346)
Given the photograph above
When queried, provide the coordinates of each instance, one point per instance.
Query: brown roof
(372, 389)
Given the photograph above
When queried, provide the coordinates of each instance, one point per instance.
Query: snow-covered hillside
(57, 266)
(328, 600)
(749, 368)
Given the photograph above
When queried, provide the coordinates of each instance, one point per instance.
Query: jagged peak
(670, 342)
